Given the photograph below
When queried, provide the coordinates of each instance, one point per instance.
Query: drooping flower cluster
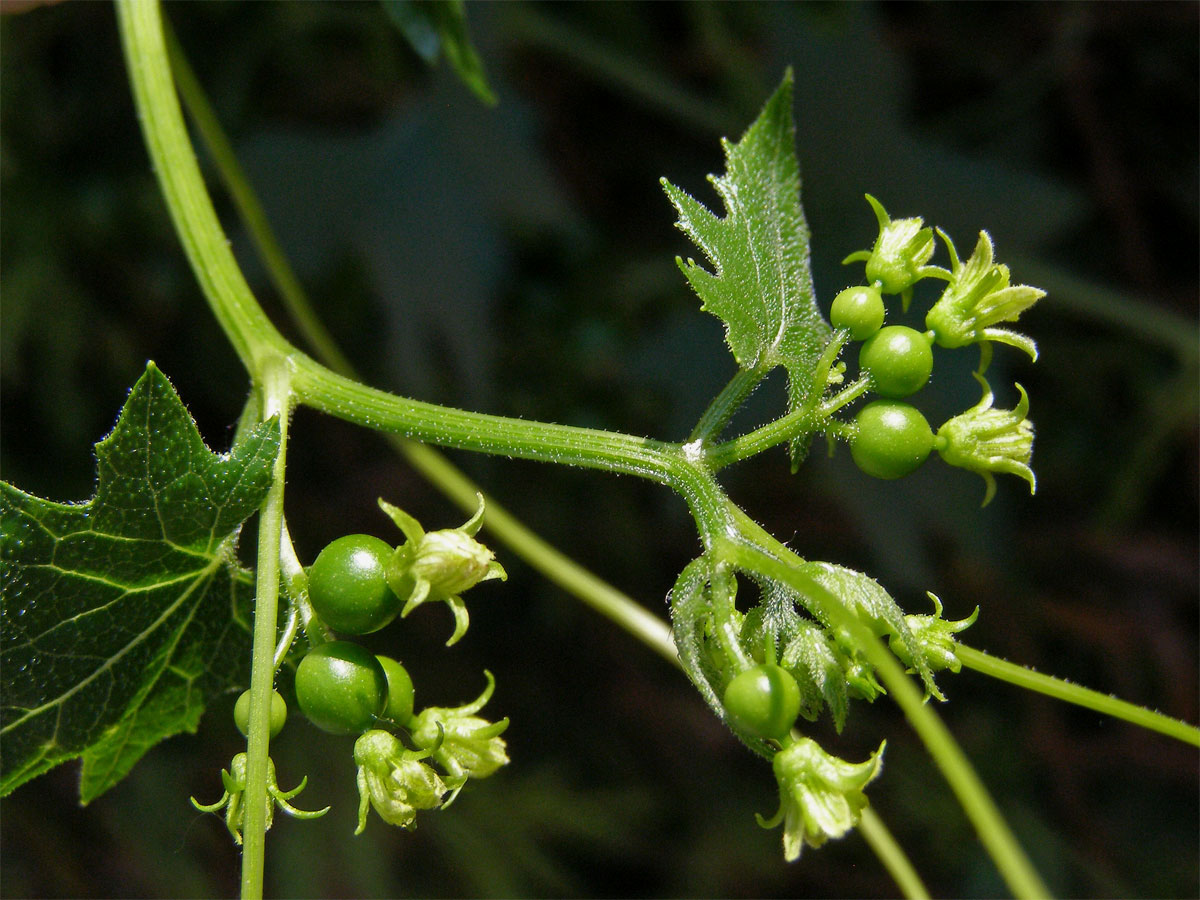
(397, 781)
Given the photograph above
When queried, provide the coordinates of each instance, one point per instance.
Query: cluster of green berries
(357, 585)
(890, 438)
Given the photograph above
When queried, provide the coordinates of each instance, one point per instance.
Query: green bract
(891, 439)
(898, 360)
(859, 310)
(763, 700)
(400, 692)
(241, 713)
(348, 587)
(341, 688)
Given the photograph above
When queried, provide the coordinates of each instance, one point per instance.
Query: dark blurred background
(519, 260)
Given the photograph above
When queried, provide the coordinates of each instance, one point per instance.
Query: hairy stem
(551, 563)
(1073, 693)
(725, 404)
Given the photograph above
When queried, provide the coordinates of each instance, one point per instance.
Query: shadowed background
(519, 260)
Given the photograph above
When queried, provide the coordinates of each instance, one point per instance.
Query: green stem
(756, 551)
(726, 403)
(275, 402)
(797, 423)
(258, 342)
(1074, 693)
(282, 276)
(554, 565)
(247, 327)
(891, 854)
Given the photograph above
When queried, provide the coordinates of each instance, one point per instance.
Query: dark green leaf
(761, 286)
(120, 616)
(431, 26)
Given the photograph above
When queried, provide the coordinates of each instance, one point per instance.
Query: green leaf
(761, 286)
(122, 616)
(431, 26)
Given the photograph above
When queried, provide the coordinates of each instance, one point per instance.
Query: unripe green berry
(341, 688)
(891, 439)
(763, 700)
(400, 691)
(859, 310)
(348, 587)
(898, 359)
(241, 713)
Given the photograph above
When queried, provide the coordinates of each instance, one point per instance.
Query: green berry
(341, 688)
(400, 691)
(347, 585)
(241, 713)
(898, 359)
(891, 439)
(763, 700)
(859, 310)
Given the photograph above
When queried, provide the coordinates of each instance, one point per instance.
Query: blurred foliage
(519, 259)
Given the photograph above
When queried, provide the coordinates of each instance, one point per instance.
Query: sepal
(234, 781)
(935, 639)
(898, 258)
(440, 565)
(463, 744)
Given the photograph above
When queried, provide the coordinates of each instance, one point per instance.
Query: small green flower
(935, 639)
(463, 744)
(440, 565)
(897, 260)
(820, 796)
(977, 298)
(393, 780)
(986, 440)
(234, 781)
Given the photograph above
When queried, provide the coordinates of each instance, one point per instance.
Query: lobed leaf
(120, 617)
(761, 284)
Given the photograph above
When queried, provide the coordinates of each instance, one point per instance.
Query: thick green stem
(275, 402)
(247, 327)
(1074, 693)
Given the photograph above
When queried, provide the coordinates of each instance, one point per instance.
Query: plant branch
(760, 553)
(891, 854)
(275, 402)
(725, 404)
(1073, 693)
